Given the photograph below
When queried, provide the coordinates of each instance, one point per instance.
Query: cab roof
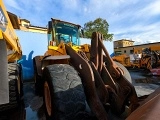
(53, 19)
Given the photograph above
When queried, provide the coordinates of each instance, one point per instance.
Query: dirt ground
(143, 82)
(33, 108)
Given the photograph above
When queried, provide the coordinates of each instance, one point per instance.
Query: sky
(137, 20)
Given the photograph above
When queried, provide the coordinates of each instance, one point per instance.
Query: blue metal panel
(32, 44)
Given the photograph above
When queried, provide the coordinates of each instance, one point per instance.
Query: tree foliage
(99, 25)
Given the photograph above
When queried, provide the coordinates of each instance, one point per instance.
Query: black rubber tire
(66, 90)
(37, 78)
(14, 93)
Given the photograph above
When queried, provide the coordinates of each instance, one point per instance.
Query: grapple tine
(88, 81)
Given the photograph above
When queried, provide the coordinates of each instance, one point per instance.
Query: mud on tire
(66, 91)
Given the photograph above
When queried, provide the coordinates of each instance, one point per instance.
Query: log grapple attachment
(104, 84)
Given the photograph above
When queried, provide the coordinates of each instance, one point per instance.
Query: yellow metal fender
(1, 35)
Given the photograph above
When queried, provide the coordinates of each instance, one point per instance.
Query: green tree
(99, 25)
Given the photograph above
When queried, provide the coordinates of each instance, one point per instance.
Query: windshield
(67, 33)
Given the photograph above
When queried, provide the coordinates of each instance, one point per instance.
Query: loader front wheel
(64, 97)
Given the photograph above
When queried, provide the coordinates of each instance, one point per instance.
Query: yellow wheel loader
(148, 58)
(81, 82)
(10, 53)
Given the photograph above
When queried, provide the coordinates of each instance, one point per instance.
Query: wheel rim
(47, 98)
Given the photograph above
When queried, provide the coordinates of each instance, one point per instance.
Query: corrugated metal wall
(34, 44)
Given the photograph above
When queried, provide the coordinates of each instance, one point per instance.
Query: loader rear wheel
(15, 87)
(37, 76)
(64, 97)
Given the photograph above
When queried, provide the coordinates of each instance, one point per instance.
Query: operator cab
(59, 31)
